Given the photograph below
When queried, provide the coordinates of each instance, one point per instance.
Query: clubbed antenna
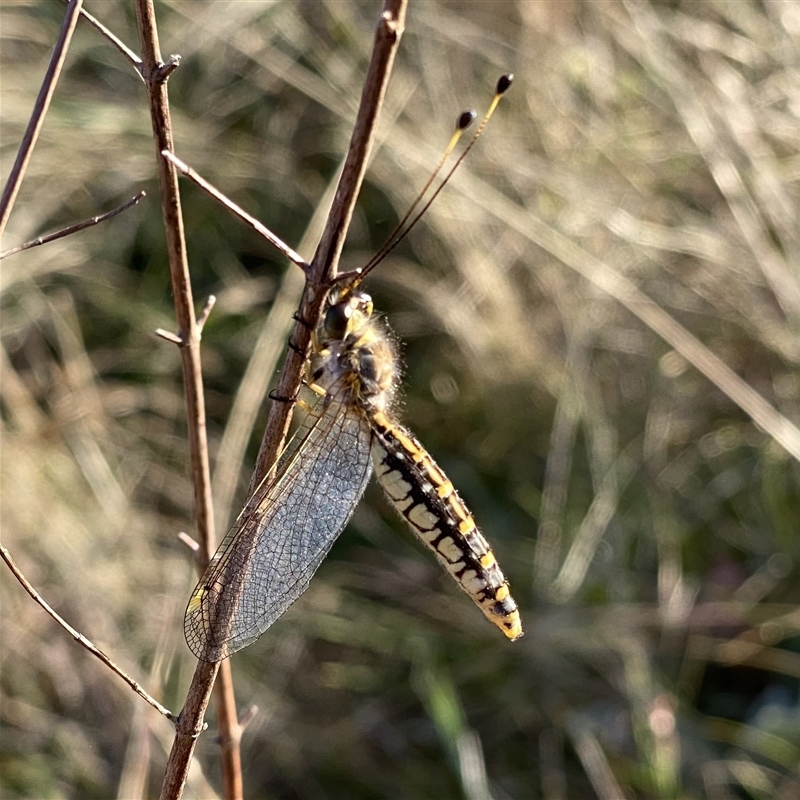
(465, 119)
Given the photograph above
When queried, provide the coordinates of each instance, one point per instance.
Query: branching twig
(318, 280)
(51, 237)
(206, 312)
(81, 639)
(176, 338)
(39, 110)
(190, 723)
(257, 226)
(126, 52)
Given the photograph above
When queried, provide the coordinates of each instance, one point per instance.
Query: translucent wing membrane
(288, 526)
(285, 531)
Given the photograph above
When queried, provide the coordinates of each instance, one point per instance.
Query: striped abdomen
(422, 493)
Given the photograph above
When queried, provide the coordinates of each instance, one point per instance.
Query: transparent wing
(287, 528)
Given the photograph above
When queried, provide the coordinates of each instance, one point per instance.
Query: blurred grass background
(648, 527)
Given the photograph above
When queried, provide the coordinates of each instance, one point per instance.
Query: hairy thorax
(354, 354)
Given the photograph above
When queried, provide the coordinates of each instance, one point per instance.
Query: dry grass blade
(653, 48)
(596, 764)
(779, 427)
(588, 535)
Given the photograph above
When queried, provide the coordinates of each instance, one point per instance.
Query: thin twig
(325, 262)
(81, 639)
(323, 268)
(51, 237)
(118, 43)
(190, 724)
(169, 336)
(176, 338)
(14, 181)
(248, 716)
(166, 69)
(257, 226)
(206, 312)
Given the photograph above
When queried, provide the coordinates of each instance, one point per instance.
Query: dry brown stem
(155, 74)
(322, 270)
(79, 226)
(81, 639)
(39, 110)
(326, 258)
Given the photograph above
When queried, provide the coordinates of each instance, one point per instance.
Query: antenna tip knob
(465, 119)
(504, 83)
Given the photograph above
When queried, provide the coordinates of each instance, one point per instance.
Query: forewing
(268, 558)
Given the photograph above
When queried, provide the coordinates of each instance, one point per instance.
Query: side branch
(81, 639)
(249, 220)
(79, 226)
(126, 52)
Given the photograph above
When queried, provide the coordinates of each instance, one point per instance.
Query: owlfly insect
(291, 521)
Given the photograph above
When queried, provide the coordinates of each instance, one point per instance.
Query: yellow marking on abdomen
(445, 489)
(487, 559)
(466, 526)
(422, 493)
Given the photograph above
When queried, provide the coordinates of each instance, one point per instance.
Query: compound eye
(337, 320)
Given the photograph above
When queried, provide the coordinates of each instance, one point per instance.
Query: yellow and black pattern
(422, 493)
(287, 527)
